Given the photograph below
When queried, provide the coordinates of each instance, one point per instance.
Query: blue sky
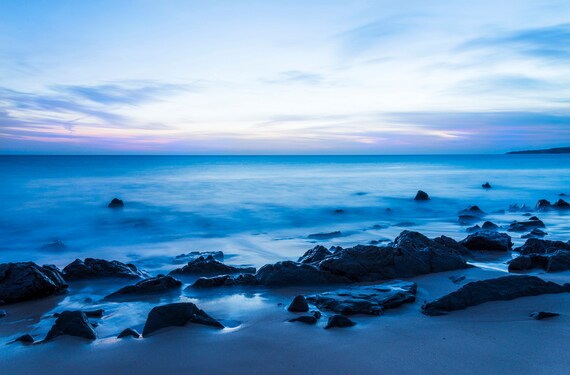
(283, 77)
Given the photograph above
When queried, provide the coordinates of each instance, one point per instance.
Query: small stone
(486, 185)
(25, 339)
(543, 315)
(339, 321)
(299, 304)
(129, 332)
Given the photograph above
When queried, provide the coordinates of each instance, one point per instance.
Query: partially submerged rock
(91, 268)
(488, 225)
(422, 196)
(177, 314)
(486, 185)
(551, 262)
(129, 332)
(154, 285)
(473, 211)
(487, 240)
(525, 226)
(535, 233)
(500, 289)
(561, 204)
(26, 280)
(54, 245)
(245, 279)
(371, 300)
(543, 315)
(25, 339)
(188, 257)
(116, 203)
(538, 246)
(299, 304)
(315, 255)
(516, 208)
(325, 236)
(543, 205)
(209, 266)
(339, 321)
(72, 323)
(307, 319)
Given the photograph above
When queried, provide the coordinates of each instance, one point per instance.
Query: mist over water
(256, 209)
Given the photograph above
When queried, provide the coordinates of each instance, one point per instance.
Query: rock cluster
(91, 268)
(26, 280)
(209, 266)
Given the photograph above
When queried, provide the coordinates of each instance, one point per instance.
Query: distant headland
(558, 150)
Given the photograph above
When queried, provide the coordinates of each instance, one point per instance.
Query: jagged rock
(339, 321)
(154, 285)
(245, 279)
(26, 339)
(525, 226)
(116, 203)
(209, 266)
(473, 211)
(72, 323)
(486, 185)
(185, 258)
(307, 319)
(551, 262)
(99, 268)
(26, 280)
(299, 304)
(324, 236)
(543, 315)
(516, 208)
(317, 314)
(314, 255)
(500, 289)
(422, 196)
(473, 229)
(489, 226)
(561, 204)
(487, 240)
(543, 205)
(535, 233)
(288, 273)
(177, 314)
(371, 300)
(55, 245)
(3, 313)
(538, 246)
(129, 332)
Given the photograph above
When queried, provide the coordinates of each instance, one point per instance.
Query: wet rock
(421, 196)
(561, 204)
(487, 240)
(291, 273)
(299, 304)
(55, 245)
(473, 211)
(99, 268)
(317, 314)
(72, 323)
(473, 229)
(116, 203)
(370, 300)
(533, 218)
(129, 332)
(516, 208)
(551, 262)
(486, 185)
(489, 226)
(245, 279)
(543, 205)
(94, 313)
(324, 236)
(307, 319)
(26, 280)
(525, 226)
(500, 289)
(177, 314)
(3, 313)
(185, 258)
(339, 321)
(535, 233)
(26, 339)
(538, 246)
(457, 279)
(314, 255)
(154, 285)
(209, 266)
(543, 315)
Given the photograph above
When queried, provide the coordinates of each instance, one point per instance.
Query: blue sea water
(257, 209)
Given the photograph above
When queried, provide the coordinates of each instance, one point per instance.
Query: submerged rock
(288, 273)
(371, 300)
(154, 285)
(535, 233)
(209, 266)
(543, 205)
(185, 258)
(99, 268)
(516, 208)
(487, 240)
(245, 279)
(474, 211)
(339, 321)
(26, 280)
(325, 236)
(500, 289)
(561, 204)
(177, 314)
(315, 255)
(422, 196)
(524, 226)
(129, 332)
(473, 229)
(307, 319)
(116, 203)
(543, 315)
(26, 339)
(488, 225)
(299, 304)
(72, 323)
(551, 262)
(538, 246)
(486, 185)
(55, 245)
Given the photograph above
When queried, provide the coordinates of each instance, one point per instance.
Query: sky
(283, 77)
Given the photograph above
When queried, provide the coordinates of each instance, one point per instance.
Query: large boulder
(26, 280)
(538, 246)
(209, 266)
(154, 285)
(99, 268)
(246, 279)
(488, 240)
(288, 273)
(177, 314)
(315, 255)
(551, 262)
(371, 300)
(72, 323)
(500, 289)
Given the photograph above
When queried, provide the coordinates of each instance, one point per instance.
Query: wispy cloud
(297, 77)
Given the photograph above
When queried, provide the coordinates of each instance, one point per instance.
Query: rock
(561, 204)
(500, 289)
(288, 273)
(338, 211)
(26, 280)
(421, 196)
(317, 314)
(98, 268)
(185, 258)
(209, 266)
(324, 236)
(533, 218)
(487, 240)
(72, 323)
(339, 321)
(314, 255)
(457, 279)
(543, 315)
(535, 233)
(524, 226)
(3, 313)
(116, 203)
(473, 229)
(299, 304)
(307, 319)
(245, 279)
(516, 208)
(538, 246)
(543, 205)
(486, 185)
(370, 300)
(177, 314)
(94, 313)
(129, 332)
(154, 285)
(489, 226)
(26, 339)
(551, 262)
(472, 211)
(55, 245)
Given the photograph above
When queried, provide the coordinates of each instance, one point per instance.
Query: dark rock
(177, 314)
(26, 280)
(551, 262)
(116, 203)
(94, 313)
(525, 226)
(500, 289)
(473, 229)
(307, 319)
(3, 313)
(299, 304)
(185, 258)
(98, 268)
(209, 266)
(543, 315)
(516, 208)
(543, 205)
(154, 285)
(317, 314)
(538, 246)
(314, 255)
(129, 332)
(489, 226)
(26, 339)
(245, 279)
(421, 196)
(468, 219)
(339, 321)
(457, 279)
(486, 185)
(55, 245)
(288, 273)
(561, 205)
(339, 211)
(72, 323)
(324, 236)
(371, 300)
(487, 240)
(472, 211)
(533, 218)
(535, 233)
